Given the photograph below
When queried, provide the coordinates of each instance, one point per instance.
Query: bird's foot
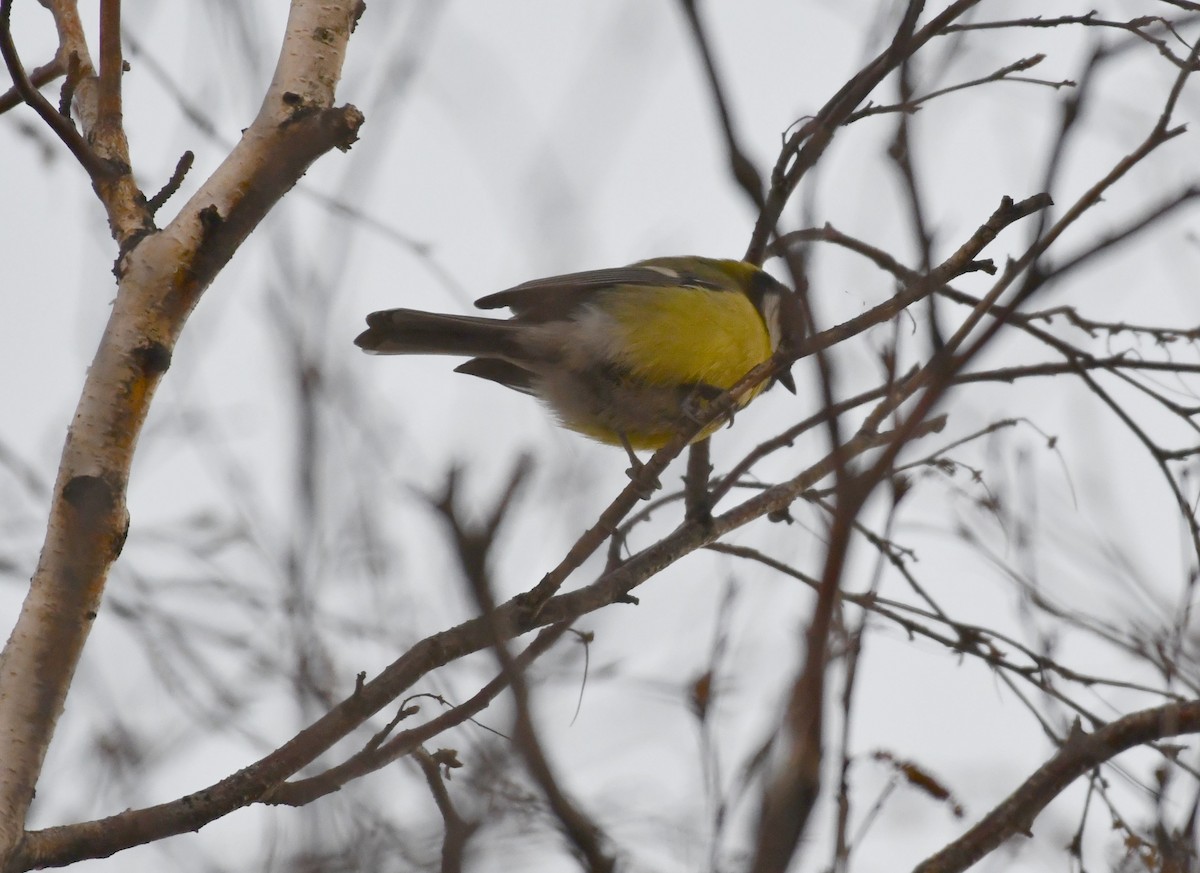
(638, 473)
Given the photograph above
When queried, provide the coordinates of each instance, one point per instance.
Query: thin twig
(38, 77)
(95, 166)
(159, 200)
(457, 829)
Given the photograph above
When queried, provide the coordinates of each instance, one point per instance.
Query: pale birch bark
(161, 278)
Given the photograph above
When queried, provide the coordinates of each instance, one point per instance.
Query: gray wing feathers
(558, 296)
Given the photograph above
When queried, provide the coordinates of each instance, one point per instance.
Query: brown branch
(790, 792)
(377, 755)
(806, 145)
(218, 225)
(750, 181)
(128, 215)
(108, 92)
(101, 148)
(794, 784)
(1059, 368)
(160, 199)
(1157, 455)
(1081, 753)
(744, 171)
(965, 638)
(472, 547)
(1110, 241)
(900, 153)
(960, 262)
(1137, 27)
(788, 438)
(697, 503)
(443, 648)
(62, 127)
(1077, 359)
(62, 845)
(1004, 74)
(38, 77)
(938, 374)
(1026, 320)
(607, 524)
(457, 829)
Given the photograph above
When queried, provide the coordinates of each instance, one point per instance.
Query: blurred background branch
(993, 496)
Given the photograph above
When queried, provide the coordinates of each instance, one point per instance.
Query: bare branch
(458, 829)
(37, 77)
(1081, 752)
(378, 754)
(472, 547)
(1138, 27)
(744, 171)
(62, 127)
(1004, 74)
(159, 200)
(804, 147)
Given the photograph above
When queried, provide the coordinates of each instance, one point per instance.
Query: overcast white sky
(506, 141)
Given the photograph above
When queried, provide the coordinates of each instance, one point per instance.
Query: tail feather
(411, 332)
(506, 373)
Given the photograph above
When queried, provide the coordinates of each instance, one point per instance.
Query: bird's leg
(646, 485)
(699, 401)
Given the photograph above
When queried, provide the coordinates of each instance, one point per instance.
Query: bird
(630, 356)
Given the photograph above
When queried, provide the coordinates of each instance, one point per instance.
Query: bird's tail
(411, 332)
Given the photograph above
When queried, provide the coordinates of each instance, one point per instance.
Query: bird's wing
(556, 297)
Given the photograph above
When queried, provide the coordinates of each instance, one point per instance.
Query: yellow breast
(685, 335)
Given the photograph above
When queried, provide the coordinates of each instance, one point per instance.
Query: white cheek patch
(771, 304)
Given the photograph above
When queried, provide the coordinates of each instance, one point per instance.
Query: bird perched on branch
(629, 356)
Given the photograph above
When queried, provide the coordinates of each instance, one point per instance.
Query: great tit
(627, 356)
